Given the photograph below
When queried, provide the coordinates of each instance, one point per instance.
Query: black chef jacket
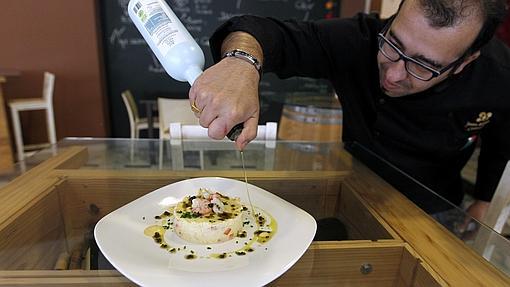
(429, 135)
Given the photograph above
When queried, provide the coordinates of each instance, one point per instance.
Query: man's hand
(227, 94)
(478, 209)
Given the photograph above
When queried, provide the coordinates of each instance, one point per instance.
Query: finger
(241, 145)
(248, 134)
(196, 96)
(192, 94)
(195, 109)
(207, 116)
(217, 128)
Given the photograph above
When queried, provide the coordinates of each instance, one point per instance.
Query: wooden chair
(136, 124)
(174, 110)
(32, 104)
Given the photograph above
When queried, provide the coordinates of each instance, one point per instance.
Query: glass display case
(368, 233)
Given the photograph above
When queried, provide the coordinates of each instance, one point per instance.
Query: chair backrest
(48, 86)
(174, 110)
(131, 107)
(179, 131)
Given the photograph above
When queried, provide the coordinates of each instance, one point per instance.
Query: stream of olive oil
(247, 191)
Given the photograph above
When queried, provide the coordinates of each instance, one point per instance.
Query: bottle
(172, 44)
(176, 50)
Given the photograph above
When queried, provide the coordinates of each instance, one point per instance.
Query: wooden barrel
(310, 123)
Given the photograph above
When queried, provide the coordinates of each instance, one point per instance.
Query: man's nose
(396, 71)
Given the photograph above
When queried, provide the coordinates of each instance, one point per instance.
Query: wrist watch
(240, 54)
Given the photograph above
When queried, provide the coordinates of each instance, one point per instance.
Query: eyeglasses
(414, 67)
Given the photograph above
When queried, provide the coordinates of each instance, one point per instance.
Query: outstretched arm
(227, 93)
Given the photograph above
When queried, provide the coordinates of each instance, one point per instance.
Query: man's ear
(466, 61)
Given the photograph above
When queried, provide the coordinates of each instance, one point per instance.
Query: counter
(383, 239)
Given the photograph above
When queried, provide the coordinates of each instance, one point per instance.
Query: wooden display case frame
(46, 211)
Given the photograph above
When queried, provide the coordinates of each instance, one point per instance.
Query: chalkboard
(130, 63)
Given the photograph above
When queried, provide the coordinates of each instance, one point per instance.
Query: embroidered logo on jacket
(482, 120)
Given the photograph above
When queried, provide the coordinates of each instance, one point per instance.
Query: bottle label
(162, 27)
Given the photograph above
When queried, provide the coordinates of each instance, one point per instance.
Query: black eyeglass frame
(435, 73)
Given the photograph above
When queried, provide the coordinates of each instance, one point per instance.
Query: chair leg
(160, 155)
(18, 137)
(50, 124)
(134, 132)
(202, 164)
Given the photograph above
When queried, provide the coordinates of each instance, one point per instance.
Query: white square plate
(120, 237)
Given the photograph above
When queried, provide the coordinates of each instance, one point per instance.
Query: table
(49, 211)
(6, 155)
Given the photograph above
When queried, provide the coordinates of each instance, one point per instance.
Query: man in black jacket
(418, 90)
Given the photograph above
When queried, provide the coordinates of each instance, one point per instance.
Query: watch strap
(240, 54)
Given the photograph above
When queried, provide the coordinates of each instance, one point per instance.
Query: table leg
(150, 124)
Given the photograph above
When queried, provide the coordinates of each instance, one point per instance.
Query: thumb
(248, 134)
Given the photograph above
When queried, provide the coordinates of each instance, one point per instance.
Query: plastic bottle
(172, 44)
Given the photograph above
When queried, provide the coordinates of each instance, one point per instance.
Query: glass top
(280, 156)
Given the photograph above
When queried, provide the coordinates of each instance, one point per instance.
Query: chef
(419, 90)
